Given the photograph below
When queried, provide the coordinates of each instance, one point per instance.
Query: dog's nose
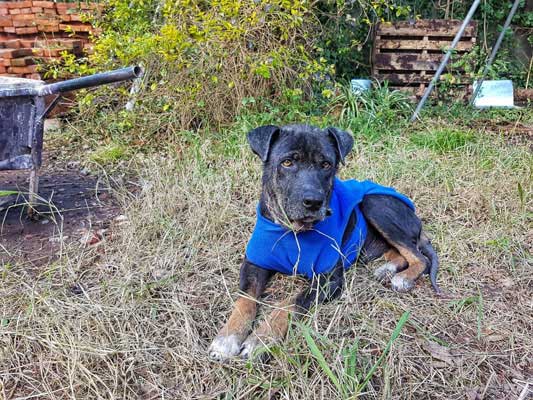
(312, 203)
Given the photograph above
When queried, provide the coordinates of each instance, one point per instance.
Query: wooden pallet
(407, 54)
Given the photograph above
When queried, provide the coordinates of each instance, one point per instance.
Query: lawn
(132, 317)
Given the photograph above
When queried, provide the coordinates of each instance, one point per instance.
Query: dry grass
(132, 318)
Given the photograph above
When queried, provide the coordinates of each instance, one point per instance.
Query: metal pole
(446, 58)
(495, 50)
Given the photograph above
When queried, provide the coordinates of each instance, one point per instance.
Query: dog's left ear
(344, 141)
(260, 140)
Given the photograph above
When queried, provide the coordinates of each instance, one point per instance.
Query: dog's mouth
(307, 223)
(304, 224)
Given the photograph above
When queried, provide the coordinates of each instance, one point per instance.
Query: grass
(132, 317)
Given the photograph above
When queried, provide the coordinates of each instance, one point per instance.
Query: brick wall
(34, 32)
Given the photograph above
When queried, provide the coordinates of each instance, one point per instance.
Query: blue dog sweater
(318, 250)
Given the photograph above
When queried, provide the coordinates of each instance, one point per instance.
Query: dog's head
(299, 164)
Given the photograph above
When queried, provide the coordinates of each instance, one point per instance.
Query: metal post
(33, 190)
(495, 50)
(445, 60)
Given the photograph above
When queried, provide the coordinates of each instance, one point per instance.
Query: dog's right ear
(261, 139)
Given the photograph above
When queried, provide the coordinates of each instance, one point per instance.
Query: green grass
(109, 154)
(443, 140)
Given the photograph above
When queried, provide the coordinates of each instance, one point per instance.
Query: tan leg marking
(241, 318)
(405, 280)
(396, 258)
(273, 329)
(229, 340)
(395, 262)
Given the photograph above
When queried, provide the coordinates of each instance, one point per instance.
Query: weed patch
(443, 140)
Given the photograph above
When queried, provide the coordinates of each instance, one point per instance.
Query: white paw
(401, 284)
(251, 345)
(385, 272)
(224, 347)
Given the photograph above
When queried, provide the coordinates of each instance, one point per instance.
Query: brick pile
(35, 32)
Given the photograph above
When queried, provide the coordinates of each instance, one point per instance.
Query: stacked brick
(33, 33)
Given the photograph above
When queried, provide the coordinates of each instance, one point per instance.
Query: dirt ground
(73, 206)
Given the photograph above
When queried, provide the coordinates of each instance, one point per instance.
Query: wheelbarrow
(22, 114)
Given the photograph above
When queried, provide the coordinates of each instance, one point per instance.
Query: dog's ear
(343, 140)
(261, 139)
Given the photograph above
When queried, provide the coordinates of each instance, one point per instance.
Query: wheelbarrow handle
(103, 78)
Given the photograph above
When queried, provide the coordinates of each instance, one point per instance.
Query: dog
(311, 223)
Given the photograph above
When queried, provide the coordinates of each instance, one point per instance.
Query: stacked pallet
(34, 32)
(407, 54)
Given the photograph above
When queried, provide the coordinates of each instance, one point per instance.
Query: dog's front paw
(386, 272)
(224, 347)
(400, 283)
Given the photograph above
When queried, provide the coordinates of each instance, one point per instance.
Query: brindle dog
(299, 165)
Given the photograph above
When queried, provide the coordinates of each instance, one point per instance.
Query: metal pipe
(445, 60)
(119, 75)
(495, 50)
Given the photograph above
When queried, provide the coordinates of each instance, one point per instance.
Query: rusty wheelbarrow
(22, 115)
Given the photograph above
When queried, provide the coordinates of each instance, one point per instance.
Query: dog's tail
(433, 267)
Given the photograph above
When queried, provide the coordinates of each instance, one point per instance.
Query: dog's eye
(326, 165)
(287, 163)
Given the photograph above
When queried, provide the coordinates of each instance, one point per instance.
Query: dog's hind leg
(395, 263)
(274, 328)
(229, 340)
(402, 230)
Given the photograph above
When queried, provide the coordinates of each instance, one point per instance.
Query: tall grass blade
(394, 336)
(320, 358)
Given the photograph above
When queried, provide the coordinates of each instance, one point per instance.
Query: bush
(204, 59)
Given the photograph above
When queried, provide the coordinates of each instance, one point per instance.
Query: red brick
(3, 11)
(27, 43)
(23, 17)
(9, 29)
(21, 23)
(61, 7)
(76, 27)
(15, 53)
(22, 62)
(22, 53)
(36, 9)
(12, 44)
(44, 4)
(76, 18)
(30, 69)
(14, 11)
(43, 19)
(19, 4)
(50, 11)
(26, 31)
(3, 69)
(6, 21)
(37, 52)
(48, 28)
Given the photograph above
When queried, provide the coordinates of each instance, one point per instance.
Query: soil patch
(73, 207)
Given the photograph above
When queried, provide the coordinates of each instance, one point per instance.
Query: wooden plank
(411, 78)
(407, 61)
(408, 78)
(426, 27)
(420, 45)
